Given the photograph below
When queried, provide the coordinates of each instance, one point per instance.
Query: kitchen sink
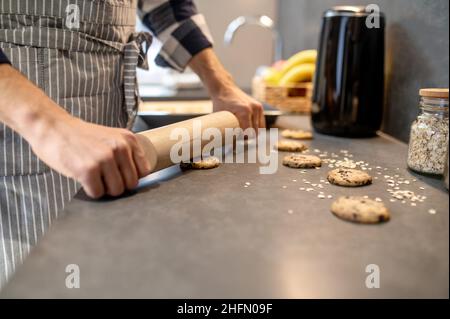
(154, 114)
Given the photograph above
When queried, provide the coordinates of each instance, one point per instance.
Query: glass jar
(446, 168)
(429, 133)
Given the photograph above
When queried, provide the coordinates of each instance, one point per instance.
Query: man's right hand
(106, 161)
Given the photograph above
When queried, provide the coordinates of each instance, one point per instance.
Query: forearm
(24, 107)
(226, 96)
(103, 160)
(211, 71)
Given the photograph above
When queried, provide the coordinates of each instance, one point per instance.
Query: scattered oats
(248, 184)
(290, 211)
(284, 187)
(346, 163)
(366, 197)
(294, 180)
(302, 188)
(321, 196)
(314, 185)
(422, 188)
(330, 196)
(309, 189)
(393, 200)
(378, 200)
(413, 204)
(432, 211)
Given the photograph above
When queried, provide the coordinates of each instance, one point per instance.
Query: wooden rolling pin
(157, 143)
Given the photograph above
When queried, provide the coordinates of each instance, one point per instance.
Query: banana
(293, 70)
(299, 73)
(272, 77)
(303, 57)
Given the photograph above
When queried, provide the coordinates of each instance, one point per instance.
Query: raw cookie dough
(291, 146)
(302, 161)
(360, 210)
(349, 177)
(206, 163)
(297, 134)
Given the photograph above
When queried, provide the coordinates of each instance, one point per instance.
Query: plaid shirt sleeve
(3, 58)
(178, 25)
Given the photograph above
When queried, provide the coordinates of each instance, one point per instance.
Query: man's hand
(249, 112)
(226, 96)
(104, 160)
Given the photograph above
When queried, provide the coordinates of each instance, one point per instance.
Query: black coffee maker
(349, 81)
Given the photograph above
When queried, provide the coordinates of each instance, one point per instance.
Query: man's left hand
(249, 112)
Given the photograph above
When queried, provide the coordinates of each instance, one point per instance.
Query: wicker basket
(295, 98)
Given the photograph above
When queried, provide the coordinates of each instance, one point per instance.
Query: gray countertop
(202, 234)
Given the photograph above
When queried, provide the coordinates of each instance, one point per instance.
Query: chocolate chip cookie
(302, 161)
(360, 210)
(206, 163)
(349, 177)
(297, 134)
(291, 146)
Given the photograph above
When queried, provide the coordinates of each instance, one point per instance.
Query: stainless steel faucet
(262, 21)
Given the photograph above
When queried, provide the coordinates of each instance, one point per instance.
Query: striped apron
(83, 54)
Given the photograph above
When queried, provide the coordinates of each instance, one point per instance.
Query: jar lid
(436, 93)
(348, 11)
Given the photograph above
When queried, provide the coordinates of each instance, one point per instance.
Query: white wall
(252, 47)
